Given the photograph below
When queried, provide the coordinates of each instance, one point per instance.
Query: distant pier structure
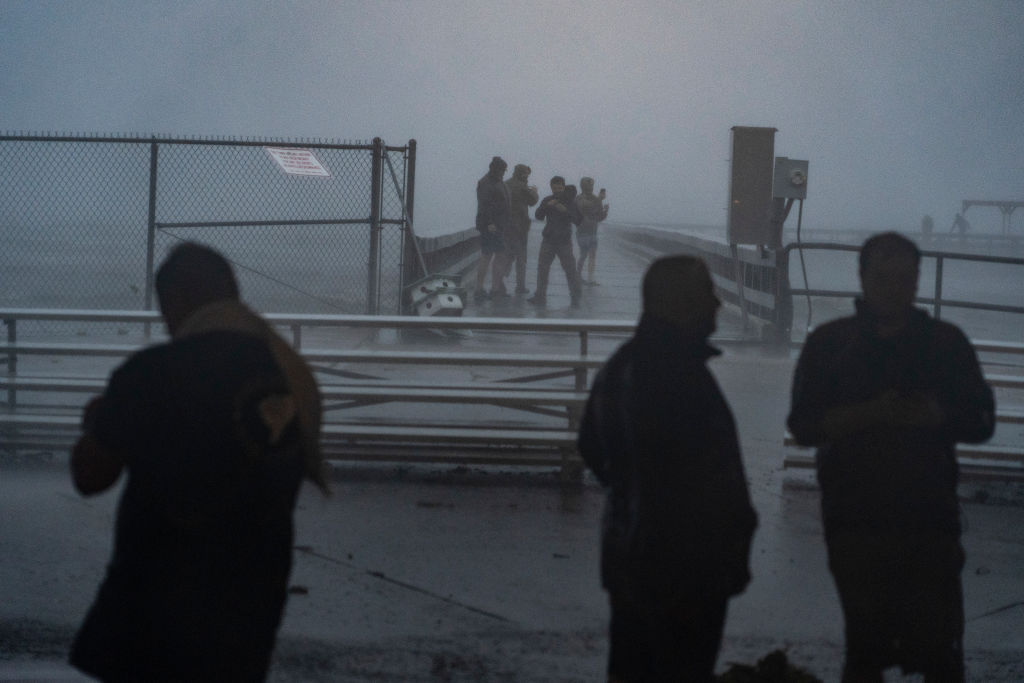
(1006, 208)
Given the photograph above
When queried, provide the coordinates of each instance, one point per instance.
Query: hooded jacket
(521, 196)
(558, 224)
(492, 201)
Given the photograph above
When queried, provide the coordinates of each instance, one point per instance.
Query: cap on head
(498, 162)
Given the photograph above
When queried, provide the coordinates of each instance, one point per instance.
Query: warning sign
(297, 161)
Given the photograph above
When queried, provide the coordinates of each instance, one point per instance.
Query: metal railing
(937, 301)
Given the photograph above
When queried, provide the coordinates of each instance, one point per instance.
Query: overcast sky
(902, 108)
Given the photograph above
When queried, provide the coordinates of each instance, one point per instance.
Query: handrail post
(938, 287)
(783, 299)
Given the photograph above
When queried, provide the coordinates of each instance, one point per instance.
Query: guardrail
(757, 280)
(359, 377)
(546, 385)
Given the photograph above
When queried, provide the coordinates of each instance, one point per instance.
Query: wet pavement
(465, 574)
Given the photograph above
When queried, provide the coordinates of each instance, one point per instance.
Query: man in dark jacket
(493, 219)
(560, 213)
(885, 395)
(214, 431)
(658, 433)
(522, 197)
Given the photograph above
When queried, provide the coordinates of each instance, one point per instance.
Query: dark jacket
(889, 478)
(196, 586)
(492, 203)
(558, 224)
(658, 433)
(521, 196)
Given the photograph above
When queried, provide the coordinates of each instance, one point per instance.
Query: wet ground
(464, 574)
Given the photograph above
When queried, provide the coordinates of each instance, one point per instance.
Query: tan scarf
(275, 411)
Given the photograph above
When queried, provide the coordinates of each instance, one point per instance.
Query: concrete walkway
(463, 574)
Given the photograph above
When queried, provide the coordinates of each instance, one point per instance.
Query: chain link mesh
(74, 216)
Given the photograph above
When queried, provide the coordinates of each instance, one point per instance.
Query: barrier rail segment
(296, 323)
(937, 301)
(343, 387)
(757, 280)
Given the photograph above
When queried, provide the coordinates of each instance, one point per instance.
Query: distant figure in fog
(678, 522)
(960, 224)
(885, 395)
(214, 431)
(559, 213)
(593, 210)
(927, 225)
(522, 197)
(493, 219)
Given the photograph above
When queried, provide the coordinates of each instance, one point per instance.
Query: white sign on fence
(297, 161)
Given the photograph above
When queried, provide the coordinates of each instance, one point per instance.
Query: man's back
(197, 581)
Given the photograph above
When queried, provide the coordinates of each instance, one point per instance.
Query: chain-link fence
(311, 227)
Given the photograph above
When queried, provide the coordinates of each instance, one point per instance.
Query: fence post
(151, 231)
(410, 260)
(373, 267)
(151, 227)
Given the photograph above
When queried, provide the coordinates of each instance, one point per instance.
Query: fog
(902, 109)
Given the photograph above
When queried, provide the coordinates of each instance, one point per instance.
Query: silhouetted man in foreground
(885, 395)
(215, 431)
(658, 433)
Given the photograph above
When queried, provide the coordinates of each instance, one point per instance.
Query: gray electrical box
(750, 185)
(790, 181)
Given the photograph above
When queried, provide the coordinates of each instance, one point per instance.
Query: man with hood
(593, 211)
(559, 212)
(493, 219)
(521, 197)
(678, 522)
(215, 431)
(885, 395)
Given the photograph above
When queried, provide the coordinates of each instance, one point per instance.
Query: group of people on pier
(503, 220)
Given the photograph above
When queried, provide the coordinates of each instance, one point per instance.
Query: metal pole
(376, 182)
(151, 227)
(938, 287)
(783, 298)
(154, 150)
(410, 254)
